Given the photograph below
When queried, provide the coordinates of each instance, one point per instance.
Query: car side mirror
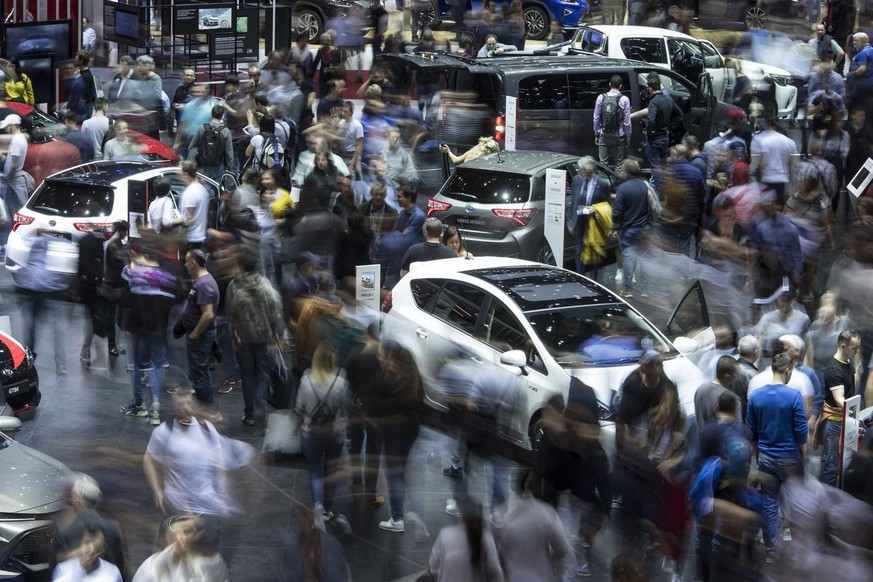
(10, 424)
(515, 358)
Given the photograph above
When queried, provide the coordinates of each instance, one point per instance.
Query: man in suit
(119, 88)
(586, 190)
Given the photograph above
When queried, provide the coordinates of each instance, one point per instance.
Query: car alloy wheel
(756, 18)
(537, 22)
(308, 24)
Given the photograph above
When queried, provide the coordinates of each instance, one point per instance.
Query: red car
(32, 118)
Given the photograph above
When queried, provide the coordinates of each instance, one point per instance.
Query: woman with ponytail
(466, 552)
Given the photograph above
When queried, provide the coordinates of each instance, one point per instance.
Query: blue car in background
(538, 14)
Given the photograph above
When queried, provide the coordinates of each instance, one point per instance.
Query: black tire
(546, 256)
(433, 18)
(308, 22)
(225, 24)
(536, 431)
(536, 22)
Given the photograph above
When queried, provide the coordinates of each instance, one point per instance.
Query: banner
(511, 114)
(553, 227)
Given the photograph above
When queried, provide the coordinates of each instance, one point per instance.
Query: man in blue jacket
(779, 428)
(408, 230)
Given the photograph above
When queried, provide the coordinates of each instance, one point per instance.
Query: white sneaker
(155, 414)
(419, 529)
(452, 508)
(392, 525)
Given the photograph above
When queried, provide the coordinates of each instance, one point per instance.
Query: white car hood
(755, 69)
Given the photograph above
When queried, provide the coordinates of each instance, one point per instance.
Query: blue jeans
(226, 343)
(497, 482)
(199, 352)
(777, 472)
(396, 444)
(657, 150)
(679, 236)
(254, 367)
(149, 354)
(630, 255)
(321, 452)
(830, 455)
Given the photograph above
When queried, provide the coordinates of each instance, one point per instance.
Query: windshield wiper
(464, 196)
(54, 211)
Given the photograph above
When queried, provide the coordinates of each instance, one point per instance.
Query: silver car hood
(30, 482)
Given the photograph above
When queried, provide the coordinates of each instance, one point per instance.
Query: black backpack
(210, 152)
(609, 113)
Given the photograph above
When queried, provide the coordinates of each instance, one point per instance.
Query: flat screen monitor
(127, 24)
(41, 73)
(38, 38)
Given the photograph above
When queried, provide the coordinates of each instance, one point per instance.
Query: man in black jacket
(630, 220)
(683, 191)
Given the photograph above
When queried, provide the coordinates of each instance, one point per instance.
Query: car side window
(543, 92)
(686, 57)
(711, 58)
(648, 50)
(586, 87)
(503, 332)
(423, 290)
(459, 305)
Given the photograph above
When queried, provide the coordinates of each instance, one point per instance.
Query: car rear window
(488, 187)
(66, 199)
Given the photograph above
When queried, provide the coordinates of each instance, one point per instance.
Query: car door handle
(421, 332)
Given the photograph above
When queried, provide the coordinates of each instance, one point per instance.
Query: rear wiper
(54, 211)
(462, 195)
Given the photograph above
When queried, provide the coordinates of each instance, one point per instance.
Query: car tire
(225, 24)
(756, 18)
(308, 22)
(536, 22)
(536, 431)
(432, 16)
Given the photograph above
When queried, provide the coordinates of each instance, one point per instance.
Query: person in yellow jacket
(18, 86)
(587, 189)
(280, 198)
(597, 235)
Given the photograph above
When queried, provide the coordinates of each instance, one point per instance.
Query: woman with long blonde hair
(322, 401)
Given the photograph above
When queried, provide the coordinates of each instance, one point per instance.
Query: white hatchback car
(565, 324)
(686, 55)
(87, 198)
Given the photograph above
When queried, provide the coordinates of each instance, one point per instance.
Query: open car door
(702, 106)
(689, 326)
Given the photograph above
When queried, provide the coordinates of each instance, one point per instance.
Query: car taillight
(436, 206)
(20, 220)
(499, 128)
(104, 228)
(521, 216)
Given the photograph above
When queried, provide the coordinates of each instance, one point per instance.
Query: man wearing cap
(777, 420)
(13, 164)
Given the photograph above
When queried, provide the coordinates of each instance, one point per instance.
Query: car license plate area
(59, 235)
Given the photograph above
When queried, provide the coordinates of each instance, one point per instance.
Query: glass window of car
(73, 199)
(596, 335)
(586, 87)
(711, 58)
(423, 291)
(543, 92)
(459, 305)
(686, 57)
(649, 50)
(503, 332)
(488, 187)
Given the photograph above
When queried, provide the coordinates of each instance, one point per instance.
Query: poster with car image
(200, 19)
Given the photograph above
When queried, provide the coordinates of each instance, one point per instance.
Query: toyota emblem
(470, 210)
(52, 223)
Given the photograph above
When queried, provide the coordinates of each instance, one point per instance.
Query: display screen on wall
(41, 73)
(195, 19)
(125, 24)
(38, 38)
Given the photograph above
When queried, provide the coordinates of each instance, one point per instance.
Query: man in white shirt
(351, 138)
(799, 382)
(89, 36)
(492, 47)
(96, 126)
(195, 206)
(771, 159)
(13, 164)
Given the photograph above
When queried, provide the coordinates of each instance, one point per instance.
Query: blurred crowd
(265, 293)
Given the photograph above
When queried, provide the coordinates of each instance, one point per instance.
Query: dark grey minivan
(498, 203)
(555, 97)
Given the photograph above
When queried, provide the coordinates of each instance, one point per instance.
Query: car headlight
(783, 80)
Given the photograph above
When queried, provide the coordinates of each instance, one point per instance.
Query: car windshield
(487, 187)
(62, 198)
(596, 335)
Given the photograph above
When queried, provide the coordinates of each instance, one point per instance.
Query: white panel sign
(367, 286)
(556, 192)
(511, 114)
(858, 184)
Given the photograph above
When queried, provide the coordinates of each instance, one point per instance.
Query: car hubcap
(426, 17)
(534, 22)
(307, 24)
(546, 256)
(756, 18)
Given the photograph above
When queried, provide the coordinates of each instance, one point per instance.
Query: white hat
(11, 119)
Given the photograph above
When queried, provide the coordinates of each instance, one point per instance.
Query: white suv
(686, 55)
(87, 198)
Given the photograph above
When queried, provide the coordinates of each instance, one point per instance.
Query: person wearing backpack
(612, 123)
(212, 147)
(268, 152)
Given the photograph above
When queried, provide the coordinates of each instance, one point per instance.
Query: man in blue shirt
(779, 428)
(778, 242)
(408, 230)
